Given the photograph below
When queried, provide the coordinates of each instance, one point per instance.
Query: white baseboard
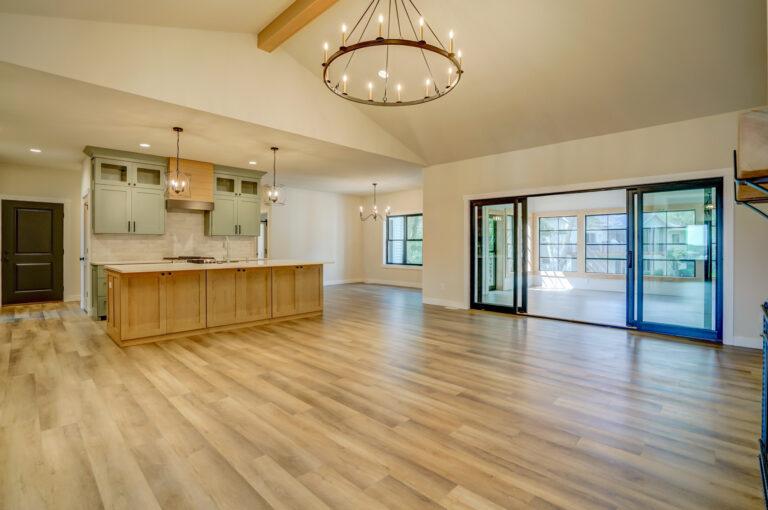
(73, 297)
(342, 282)
(746, 341)
(444, 302)
(394, 283)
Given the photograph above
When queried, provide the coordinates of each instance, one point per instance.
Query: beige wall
(374, 268)
(45, 185)
(318, 225)
(697, 147)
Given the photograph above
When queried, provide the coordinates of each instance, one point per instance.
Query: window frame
(558, 230)
(666, 243)
(404, 240)
(587, 244)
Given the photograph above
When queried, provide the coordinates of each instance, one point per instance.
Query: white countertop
(186, 266)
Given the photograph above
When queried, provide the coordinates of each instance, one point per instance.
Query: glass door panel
(496, 251)
(678, 283)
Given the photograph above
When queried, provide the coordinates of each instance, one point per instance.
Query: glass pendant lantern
(275, 194)
(178, 181)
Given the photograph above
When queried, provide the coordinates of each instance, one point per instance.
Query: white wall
(644, 155)
(218, 72)
(46, 185)
(374, 268)
(319, 226)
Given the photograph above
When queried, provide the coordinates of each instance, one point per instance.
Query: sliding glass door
(675, 254)
(497, 246)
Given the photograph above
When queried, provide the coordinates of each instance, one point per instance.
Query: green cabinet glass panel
(107, 171)
(148, 176)
(111, 209)
(148, 211)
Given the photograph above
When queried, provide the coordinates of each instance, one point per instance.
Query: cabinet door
(185, 300)
(142, 305)
(309, 289)
(147, 176)
(248, 216)
(254, 294)
(283, 291)
(108, 171)
(221, 297)
(111, 209)
(223, 217)
(148, 211)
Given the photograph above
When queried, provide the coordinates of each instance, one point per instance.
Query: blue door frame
(635, 261)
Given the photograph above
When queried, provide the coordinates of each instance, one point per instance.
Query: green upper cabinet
(237, 203)
(222, 221)
(128, 192)
(111, 206)
(147, 211)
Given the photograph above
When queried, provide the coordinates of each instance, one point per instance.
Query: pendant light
(178, 181)
(275, 194)
(374, 215)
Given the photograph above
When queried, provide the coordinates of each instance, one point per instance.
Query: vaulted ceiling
(537, 71)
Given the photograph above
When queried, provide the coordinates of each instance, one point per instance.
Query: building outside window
(606, 243)
(558, 243)
(666, 251)
(404, 240)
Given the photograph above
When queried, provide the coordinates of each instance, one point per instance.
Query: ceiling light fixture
(275, 193)
(35, 150)
(178, 183)
(252, 162)
(374, 215)
(144, 145)
(396, 30)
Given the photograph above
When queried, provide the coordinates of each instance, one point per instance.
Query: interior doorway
(645, 257)
(32, 251)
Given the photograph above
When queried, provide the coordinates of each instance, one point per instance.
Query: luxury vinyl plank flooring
(380, 403)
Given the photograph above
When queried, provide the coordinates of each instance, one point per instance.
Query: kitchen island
(154, 302)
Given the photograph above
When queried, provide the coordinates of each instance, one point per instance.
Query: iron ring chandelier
(434, 87)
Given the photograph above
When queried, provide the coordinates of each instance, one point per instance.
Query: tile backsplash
(184, 235)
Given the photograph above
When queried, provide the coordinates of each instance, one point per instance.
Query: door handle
(134, 226)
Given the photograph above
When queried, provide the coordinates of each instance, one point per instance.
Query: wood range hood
(199, 193)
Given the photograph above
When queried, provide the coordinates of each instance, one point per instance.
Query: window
(404, 239)
(606, 243)
(557, 243)
(665, 244)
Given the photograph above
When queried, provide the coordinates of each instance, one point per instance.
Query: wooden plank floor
(381, 403)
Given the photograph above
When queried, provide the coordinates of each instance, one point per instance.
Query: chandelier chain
(423, 55)
(362, 32)
(427, 24)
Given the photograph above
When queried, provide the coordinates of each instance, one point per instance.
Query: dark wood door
(32, 251)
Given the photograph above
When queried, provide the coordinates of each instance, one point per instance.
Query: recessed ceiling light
(35, 150)
(144, 145)
(252, 162)
(383, 74)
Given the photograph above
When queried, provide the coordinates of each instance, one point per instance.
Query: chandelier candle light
(396, 32)
(374, 215)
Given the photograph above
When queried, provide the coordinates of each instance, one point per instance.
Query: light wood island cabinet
(146, 305)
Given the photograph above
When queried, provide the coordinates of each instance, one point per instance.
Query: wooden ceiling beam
(298, 15)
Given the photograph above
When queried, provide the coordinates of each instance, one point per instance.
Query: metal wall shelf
(758, 186)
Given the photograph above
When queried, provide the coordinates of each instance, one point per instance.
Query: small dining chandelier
(412, 59)
(374, 215)
(178, 181)
(275, 193)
